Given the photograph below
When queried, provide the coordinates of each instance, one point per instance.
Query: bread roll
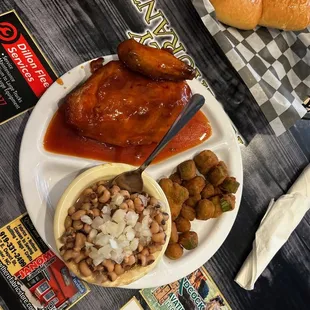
(242, 14)
(286, 14)
(247, 14)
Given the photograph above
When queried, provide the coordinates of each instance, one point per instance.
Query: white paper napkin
(279, 222)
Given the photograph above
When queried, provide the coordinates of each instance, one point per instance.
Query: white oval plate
(44, 176)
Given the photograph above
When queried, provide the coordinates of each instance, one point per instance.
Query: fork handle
(189, 110)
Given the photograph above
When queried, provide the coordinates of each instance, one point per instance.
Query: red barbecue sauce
(60, 138)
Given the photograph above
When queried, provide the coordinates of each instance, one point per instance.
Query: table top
(75, 31)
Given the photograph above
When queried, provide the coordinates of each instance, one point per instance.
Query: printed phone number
(9, 247)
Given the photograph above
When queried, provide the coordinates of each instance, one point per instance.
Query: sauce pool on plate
(60, 138)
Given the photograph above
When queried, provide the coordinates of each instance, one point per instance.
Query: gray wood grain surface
(70, 32)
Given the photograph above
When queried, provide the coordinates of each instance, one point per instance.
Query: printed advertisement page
(196, 291)
(36, 275)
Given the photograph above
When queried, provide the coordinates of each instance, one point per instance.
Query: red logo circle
(8, 32)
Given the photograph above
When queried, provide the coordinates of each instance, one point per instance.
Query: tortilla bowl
(71, 194)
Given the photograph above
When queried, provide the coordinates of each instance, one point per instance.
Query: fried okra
(187, 170)
(218, 174)
(205, 209)
(189, 240)
(217, 191)
(230, 185)
(176, 196)
(205, 160)
(175, 177)
(216, 200)
(192, 200)
(182, 224)
(228, 202)
(208, 191)
(174, 251)
(188, 212)
(195, 185)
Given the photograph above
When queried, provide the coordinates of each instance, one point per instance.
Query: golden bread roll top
(242, 14)
(286, 14)
(247, 14)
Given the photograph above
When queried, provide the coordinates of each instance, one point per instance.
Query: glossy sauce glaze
(62, 139)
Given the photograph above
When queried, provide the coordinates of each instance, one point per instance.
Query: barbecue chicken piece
(155, 63)
(120, 107)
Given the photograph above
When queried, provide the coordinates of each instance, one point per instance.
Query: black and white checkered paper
(274, 64)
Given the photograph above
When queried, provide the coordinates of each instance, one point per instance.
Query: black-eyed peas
(166, 216)
(71, 210)
(89, 261)
(77, 225)
(87, 228)
(159, 237)
(105, 197)
(100, 277)
(68, 222)
(69, 254)
(138, 205)
(112, 276)
(145, 252)
(154, 227)
(85, 235)
(125, 194)
(96, 212)
(93, 198)
(124, 206)
(108, 264)
(159, 217)
(129, 260)
(86, 206)
(100, 189)
(141, 259)
(118, 269)
(78, 214)
(114, 190)
(81, 256)
(69, 245)
(99, 268)
(130, 204)
(133, 196)
(153, 201)
(150, 259)
(80, 240)
(92, 234)
(84, 269)
(87, 191)
(155, 248)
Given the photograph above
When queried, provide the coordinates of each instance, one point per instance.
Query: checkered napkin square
(274, 64)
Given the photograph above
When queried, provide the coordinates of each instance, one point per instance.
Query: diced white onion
(134, 244)
(98, 221)
(119, 216)
(143, 199)
(106, 210)
(86, 219)
(131, 218)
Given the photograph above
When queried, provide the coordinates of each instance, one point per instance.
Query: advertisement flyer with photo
(196, 291)
(38, 277)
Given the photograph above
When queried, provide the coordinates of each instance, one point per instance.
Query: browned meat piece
(154, 63)
(121, 107)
